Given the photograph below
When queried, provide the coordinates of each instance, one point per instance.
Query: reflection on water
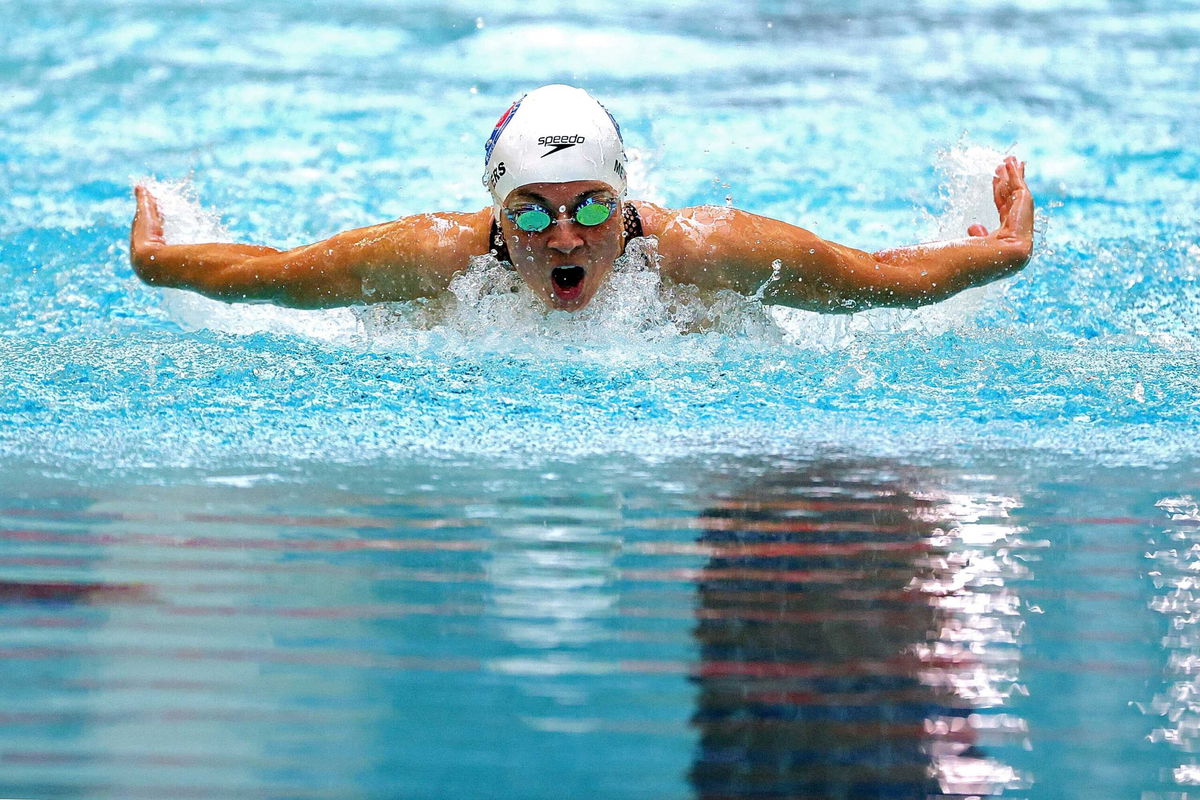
(618, 630)
(857, 639)
(551, 582)
(1175, 560)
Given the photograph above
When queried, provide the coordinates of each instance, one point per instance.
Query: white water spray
(185, 221)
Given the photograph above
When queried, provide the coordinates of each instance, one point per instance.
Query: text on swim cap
(497, 173)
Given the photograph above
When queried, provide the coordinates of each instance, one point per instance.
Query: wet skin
(566, 243)
(709, 247)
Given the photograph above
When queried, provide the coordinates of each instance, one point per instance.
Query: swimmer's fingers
(147, 230)
(1008, 176)
(1017, 223)
(1015, 203)
(1000, 189)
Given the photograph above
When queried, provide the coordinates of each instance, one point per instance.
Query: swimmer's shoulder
(654, 218)
(449, 236)
(664, 223)
(416, 255)
(699, 245)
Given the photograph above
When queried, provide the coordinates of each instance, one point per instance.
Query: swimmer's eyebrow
(537, 198)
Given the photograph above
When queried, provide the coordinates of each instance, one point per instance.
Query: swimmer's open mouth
(568, 281)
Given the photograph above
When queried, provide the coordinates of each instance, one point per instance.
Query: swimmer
(555, 168)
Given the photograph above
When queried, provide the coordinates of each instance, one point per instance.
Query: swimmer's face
(568, 261)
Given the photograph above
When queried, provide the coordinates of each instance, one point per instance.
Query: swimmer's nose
(563, 236)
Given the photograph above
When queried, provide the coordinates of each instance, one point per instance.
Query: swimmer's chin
(556, 303)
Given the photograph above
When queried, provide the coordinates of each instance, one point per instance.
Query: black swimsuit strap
(630, 219)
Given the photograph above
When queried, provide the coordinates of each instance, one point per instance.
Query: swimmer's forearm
(929, 273)
(249, 274)
(203, 268)
(833, 278)
(188, 266)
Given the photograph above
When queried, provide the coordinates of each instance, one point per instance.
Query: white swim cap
(552, 135)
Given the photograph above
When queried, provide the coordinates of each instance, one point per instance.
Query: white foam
(633, 315)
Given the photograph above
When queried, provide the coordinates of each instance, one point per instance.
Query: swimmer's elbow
(145, 262)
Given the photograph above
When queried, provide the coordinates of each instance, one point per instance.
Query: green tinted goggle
(535, 218)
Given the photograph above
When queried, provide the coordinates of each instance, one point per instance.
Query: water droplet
(562, 209)
(478, 23)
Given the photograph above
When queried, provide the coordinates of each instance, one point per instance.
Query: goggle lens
(532, 220)
(592, 213)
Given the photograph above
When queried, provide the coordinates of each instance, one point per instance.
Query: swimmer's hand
(1014, 202)
(146, 236)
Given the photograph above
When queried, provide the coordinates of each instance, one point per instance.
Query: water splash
(634, 314)
(965, 172)
(1180, 509)
(186, 221)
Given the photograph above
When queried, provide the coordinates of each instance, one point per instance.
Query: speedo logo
(559, 143)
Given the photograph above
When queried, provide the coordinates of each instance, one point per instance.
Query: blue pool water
(671, 547)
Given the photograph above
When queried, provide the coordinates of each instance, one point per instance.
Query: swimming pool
(666, 548)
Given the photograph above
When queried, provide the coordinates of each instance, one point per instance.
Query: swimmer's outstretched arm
(720, 248)
(401, 260)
